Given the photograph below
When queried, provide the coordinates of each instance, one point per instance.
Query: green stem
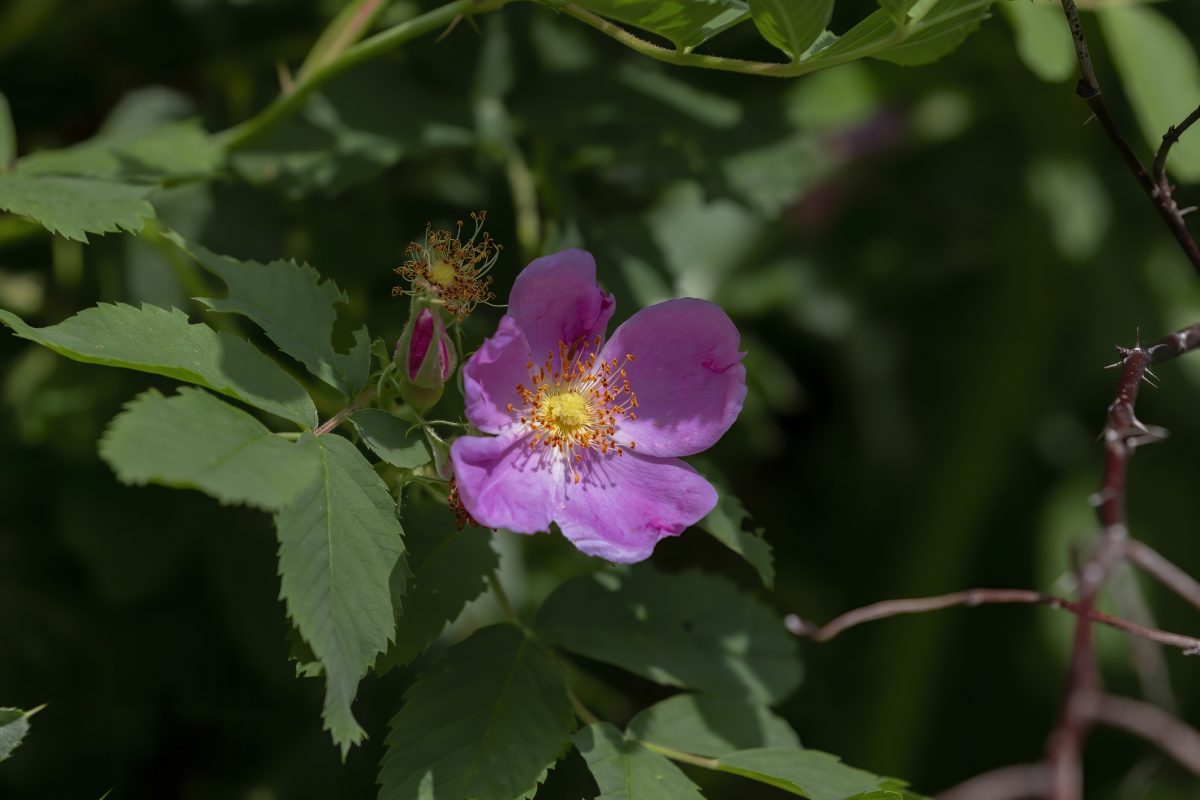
(582, 711)
(677, 755)
(356, 404)
(384, 42)
(505, 604)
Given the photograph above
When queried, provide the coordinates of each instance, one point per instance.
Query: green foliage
(897, 8)
(339, 542)
(8, 134)
(686, 23)
(711, 725)
(173, 150)
(487, 721)
(294, 307)
(391, 438)
(1161, 74)
(791, 25)
(809, 773)
(449, 569)
(692, 630)
(74, 207)
(162, 342)
(14, 725)
(1043, 39)
(193, 440)
(625, 770)
(727, 524)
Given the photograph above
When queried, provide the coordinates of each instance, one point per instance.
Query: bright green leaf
(74, 207)
(1161, 75)
(898, 9)
(711, 725)
(294, 307)
(172, 150)
(195, 441)
(791, 25)
(692, 629)
(940, 28)
(14, 724)
(162, 342)
(339, 542)
(808, 773)
(625, 770)
(487, 721)
(1043, 39)
(391, 438)
(686, 23)
(449, 569)
(727, 522)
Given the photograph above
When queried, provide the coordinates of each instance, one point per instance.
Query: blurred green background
(930, 267)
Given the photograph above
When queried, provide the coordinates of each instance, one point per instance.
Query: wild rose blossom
(588, 434)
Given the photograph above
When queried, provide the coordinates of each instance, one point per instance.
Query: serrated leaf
(809, 773)
(195, 441)
(487, 722)
(685, 23)
(162, 342)
(449, 569)
(692, 630)
(74, 207)
(390, 438)
(171, 150)
(14, 725)
(1161, 75)
(1043, 39)
(711, 725)
(294, 307)
(726, 524)
(791, 25)
(625, 770)
(339, 542)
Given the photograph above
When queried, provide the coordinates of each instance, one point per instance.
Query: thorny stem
(978, 597)
(357, 404)
(1157, 188)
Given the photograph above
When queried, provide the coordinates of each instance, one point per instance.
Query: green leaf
(339, 542)
(1161, 76)
(449, 569)
(711, 725)
(727, 522)
(1043, 39)
(898, 9)
(791, 25)
(8, 134)
(162, 342)
(808, 773)
(625, 770)
(14, 724)
(692, 630)
(686, 23)
(294, 307)
(74, 207)
(391, 438)
(487, 721)
(172, 150)
(933, 28)
(195, 441)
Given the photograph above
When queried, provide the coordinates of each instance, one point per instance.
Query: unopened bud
(426, 359)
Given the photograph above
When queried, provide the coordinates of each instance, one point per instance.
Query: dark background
(930, 267)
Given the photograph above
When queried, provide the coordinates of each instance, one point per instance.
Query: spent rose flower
(588, 433)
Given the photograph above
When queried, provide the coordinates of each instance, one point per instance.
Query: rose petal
(687, 376)
(623, 506)
(505, 484)
(491, 375)
(556, 299)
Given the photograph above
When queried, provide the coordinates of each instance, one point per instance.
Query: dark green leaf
(8, 134)
(162, 342)
(390, 438)
(687, 23)
(14, 724)
(193, 440)
(487, 722)
(294, 307)
(74, 207)
(339, 543)
(808, 773)
(625, 770)
(791, 25)
(1161, 75)
(692, 629)
(449, 569)
(173, 150)
(727, 522)
(932, 29)
(711, 725)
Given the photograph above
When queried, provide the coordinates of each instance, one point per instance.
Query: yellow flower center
(576, 402)
(442, 273)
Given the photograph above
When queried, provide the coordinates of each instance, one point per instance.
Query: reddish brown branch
(1181, 742)
(1169, 139)
(1018, 782)
(1163, 571)
(1158, 190)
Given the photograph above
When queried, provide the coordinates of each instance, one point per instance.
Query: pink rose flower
(588, 434)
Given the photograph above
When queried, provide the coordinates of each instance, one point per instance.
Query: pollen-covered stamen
(453, 270)
(575, 401)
